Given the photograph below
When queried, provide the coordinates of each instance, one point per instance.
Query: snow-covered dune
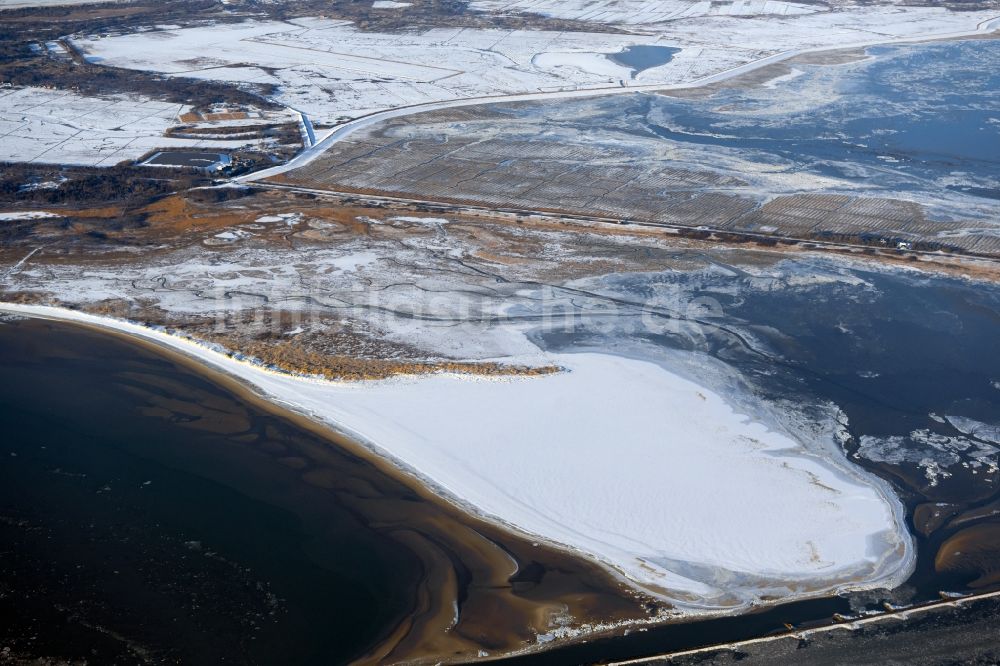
(625, 461)
(621, 460)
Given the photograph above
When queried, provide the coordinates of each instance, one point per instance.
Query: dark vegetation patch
(26, 185)
(52, 185)
(20, 66)
(422, 14)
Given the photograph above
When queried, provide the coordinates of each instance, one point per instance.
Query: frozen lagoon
(623, 461)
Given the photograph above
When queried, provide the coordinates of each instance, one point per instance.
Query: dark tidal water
(889, 354)
(181, 531)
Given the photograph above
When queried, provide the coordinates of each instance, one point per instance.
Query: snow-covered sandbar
(619, 459)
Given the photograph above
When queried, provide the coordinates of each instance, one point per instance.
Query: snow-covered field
(332, 71)
(643, 12)
(59, 127)
(26, 215)
(620, 459)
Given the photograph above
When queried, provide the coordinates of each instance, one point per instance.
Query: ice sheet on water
(985, 431)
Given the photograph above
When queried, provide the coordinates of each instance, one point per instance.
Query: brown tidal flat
(957, 520)
(483, 589)
(974, 552)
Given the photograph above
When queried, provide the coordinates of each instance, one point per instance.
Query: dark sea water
(145, 511)
(890, 352)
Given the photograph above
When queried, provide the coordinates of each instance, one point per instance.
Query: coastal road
(961, 631)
